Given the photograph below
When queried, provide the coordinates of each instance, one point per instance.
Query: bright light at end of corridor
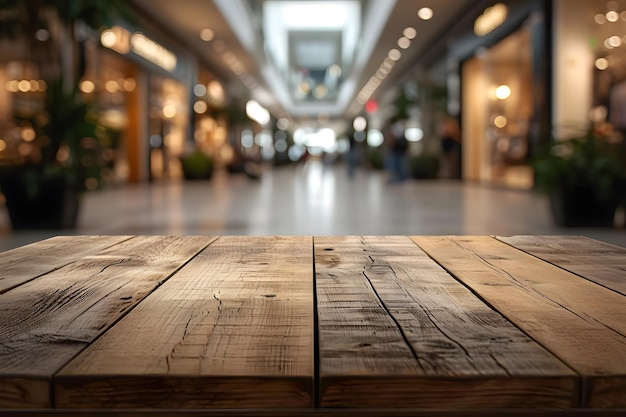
(257, 112)
(375, 138)
(414, 134)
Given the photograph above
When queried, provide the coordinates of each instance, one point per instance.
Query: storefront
(210, 122)
(502, 67)
(590, 54)
(143, 90)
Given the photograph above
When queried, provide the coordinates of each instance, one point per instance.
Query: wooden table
(396, 325)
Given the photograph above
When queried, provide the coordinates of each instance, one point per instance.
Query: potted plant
(42, 188)
(584, 179)
(197, 165)
(424, 166)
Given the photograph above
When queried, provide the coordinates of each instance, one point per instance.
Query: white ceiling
(238, 30)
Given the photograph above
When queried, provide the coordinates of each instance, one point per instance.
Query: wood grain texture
(47, 321)
(21, 265)
(581, 322)
(600, 262)
(232, 329)
(396, 330)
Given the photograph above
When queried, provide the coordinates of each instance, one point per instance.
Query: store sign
(491, 18)
(122, 41)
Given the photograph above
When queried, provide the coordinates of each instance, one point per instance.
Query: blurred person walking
(396, 152)
(451, 147)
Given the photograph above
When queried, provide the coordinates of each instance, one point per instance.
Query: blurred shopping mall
(291, 112)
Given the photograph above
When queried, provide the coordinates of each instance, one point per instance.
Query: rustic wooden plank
(600, 262)
(25, 263)
(396, 330)
(581, 322)
(232, 329)
(46, 322)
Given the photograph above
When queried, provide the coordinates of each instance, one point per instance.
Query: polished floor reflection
(311, 199)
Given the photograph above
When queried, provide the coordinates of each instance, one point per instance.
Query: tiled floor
(311, 199)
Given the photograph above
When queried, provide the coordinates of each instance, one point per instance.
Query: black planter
(52, 205)
(424, 167)
(197, 166)
(580, 207)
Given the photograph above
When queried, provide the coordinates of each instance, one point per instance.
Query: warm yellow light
(153, 51)
(490, 19)
(12, 86)
(602, 64)
(503, 92)
(612, 16)
(200, 106)
(425, 13)
(3, 145)
(87, 86)
(216, 91)
(304, 88)
(108, 38)
(320, 91)
(615, 41)
(23, 86)
(500, 121)
(111, 86)
(28, 134)
(130, 84)
(207, 35)
(169, 111)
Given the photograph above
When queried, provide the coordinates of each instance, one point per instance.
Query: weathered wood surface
(396, 330)
(581, 322)
(21, 265)
(234, 329)
(415, 325)
(596, 261)
(45, 322)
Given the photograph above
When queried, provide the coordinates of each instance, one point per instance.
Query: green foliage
(22, 17)
(67, 138)
(67, 132)
(588, 161)
(197, 165)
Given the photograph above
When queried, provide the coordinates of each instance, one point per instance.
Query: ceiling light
(404, 43)
(207, 35)
(615, 41)
(599, 19)
(410, 32)
(612, 16)
(500, 121)
(602, 64)
(394, 54)
(425, 13)
(320, 91)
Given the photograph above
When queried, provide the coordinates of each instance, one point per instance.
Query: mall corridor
(311, 199)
